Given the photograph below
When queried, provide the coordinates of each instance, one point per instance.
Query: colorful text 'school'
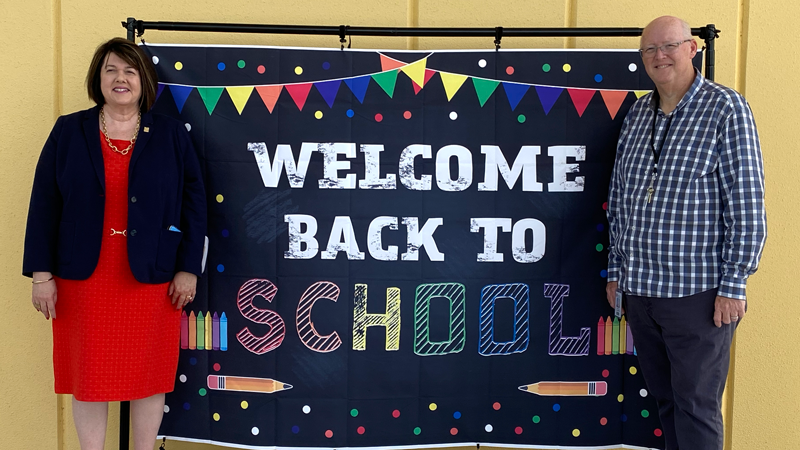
(614, 337)
(199, 332)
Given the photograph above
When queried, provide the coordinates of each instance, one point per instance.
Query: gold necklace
(108, 141)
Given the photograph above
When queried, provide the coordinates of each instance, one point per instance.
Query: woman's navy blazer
(165, 193)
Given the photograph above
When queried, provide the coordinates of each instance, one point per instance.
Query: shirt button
(133, 199)
(132, 233)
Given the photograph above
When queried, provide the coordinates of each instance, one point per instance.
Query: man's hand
(727, 310)
(611, 294)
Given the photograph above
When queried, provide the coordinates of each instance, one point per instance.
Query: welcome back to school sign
(406, 249)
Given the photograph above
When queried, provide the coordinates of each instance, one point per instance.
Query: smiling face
(120, 83)
(674, 68)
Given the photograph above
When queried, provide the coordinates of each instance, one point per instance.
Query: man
(687, 227)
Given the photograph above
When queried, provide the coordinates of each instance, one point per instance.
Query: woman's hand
(182, 289)
(43, 295)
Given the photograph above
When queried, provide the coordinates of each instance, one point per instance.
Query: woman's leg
(146, 416)
(90, 421)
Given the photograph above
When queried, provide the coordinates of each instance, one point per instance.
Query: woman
(115, 238)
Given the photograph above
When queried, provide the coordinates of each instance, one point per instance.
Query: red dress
(114, 338)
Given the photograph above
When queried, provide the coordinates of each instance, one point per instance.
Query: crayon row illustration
(614, 337)
(204, 332)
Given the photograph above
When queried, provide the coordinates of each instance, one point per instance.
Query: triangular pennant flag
(299, 93)
(515, 92)
(613, 100)
(390, 64)
(180, 94)
(387, 81)
(328, 90)
(416, 71)
(484, 89)
(240, 95)
(452, 83)
(548, 96)
(358, 86)
(210, 96)
(269, 95)
(428, 75)
(640, 94)
(581, 98)
(159, 91)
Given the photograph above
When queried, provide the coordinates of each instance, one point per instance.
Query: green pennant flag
(210, 96)
(387, 81)
(484, 89)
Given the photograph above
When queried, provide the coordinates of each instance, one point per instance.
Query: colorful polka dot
(605, 206)
(598, 78)
(632, 67)
(217, 367)
(220, 198)
(202, 392)
(566, 67)
(632, 370)
(457, 415)
(454, 431)
(221, 66)
(255, 431)
(599, 247)
(182, 378)
(643, 392)
(155, 59)
(407, 115)
(510, 70)
(496, 406)
(188, 127)
(244, 404)
(396, 413)
(432, 406)
(240, 64)
(604, 273)
(603, 421)
(482, 63)
(417, 431)
(216, 417)
(326, 65)
(261, 69)
(354, 412)
(657, 432)
(556, 407)
(645, 413)
(220, 268)
(186, 406)
(623, 418)
(295, 429)
(178, 65)
(620, 398)
(328, 434)
(600, 227)
(576, 432)
(489, 428)
(225, 233)
(545, 67)
(605, 373)
(299, 71)
(350, 113)
(166, 409)
(536, 419)
(306, 409)
(453, 115)
(521, 118)
(361, 430)
(193, 360)
(378, 117)
(318, 115)
(518, 430)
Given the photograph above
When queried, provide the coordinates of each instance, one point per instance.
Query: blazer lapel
(141, 140)
(91, 130)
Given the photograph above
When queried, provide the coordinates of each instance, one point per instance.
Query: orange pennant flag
(581, 98)
(390, 63)
(269, 94)
(613, 100)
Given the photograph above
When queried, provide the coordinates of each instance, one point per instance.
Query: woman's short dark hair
(131, 54)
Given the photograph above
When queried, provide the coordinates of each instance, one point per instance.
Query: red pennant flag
(269, 95)
(299, 93)
(390, 64)
(428, 75)
(581, 98)
(613, 100)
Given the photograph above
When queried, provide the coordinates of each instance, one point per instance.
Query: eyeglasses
(666, 49)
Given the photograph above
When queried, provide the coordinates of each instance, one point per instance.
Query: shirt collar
(687, 97)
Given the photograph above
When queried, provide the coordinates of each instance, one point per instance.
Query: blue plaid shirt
(705, 226)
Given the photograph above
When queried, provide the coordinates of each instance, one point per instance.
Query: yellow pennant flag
(639, 94)
(452, 83)
(239, 95)
(416, 71)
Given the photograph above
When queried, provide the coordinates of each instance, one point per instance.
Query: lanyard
(656, 154)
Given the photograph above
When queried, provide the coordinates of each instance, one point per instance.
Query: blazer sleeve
(193, 209)
(44, 212)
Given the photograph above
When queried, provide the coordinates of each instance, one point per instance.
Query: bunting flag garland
(484, 88)
(452, 83)
(240, 95)
(417, 71)
(160, 90)
(581, 98)
(428, 75)
(613, 100)
(548, 96)
(299, 93)
(640, 94)
(515, 92)
(269, 95)
(387, 81)
(358, 86)
(328, 90)
(388, 64)
(180, 94)
(210, 96)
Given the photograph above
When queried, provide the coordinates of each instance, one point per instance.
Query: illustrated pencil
(567, 388)
(615, 336)
(223, 332)
(215, 331)
(246, 384)
(192, 331)
(184, 330)
(201, 331)
(208, 330)
(628, 339)
(622, 330)
(608, 336)
(601, 336)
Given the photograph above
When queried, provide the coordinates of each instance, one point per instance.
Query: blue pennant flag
(328, 89)
(515, 92)
(548, 96)
(358, 86)
(180, 94)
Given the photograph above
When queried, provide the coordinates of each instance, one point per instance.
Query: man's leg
(699, 354)
(654, 362)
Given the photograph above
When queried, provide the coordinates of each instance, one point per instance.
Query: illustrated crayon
(201, 331)
(192, 331)
(622, 330)
(567, 388)
(184, 330)
(215, 331)
(208, 330)
(634, 350)
(246, 384)
(615, 337)
(223, 332)
(601, 336)
(608, 336)
(628, 339)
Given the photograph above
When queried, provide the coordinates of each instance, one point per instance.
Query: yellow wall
(45, 46)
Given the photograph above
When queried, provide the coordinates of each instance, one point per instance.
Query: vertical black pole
(710, 37)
